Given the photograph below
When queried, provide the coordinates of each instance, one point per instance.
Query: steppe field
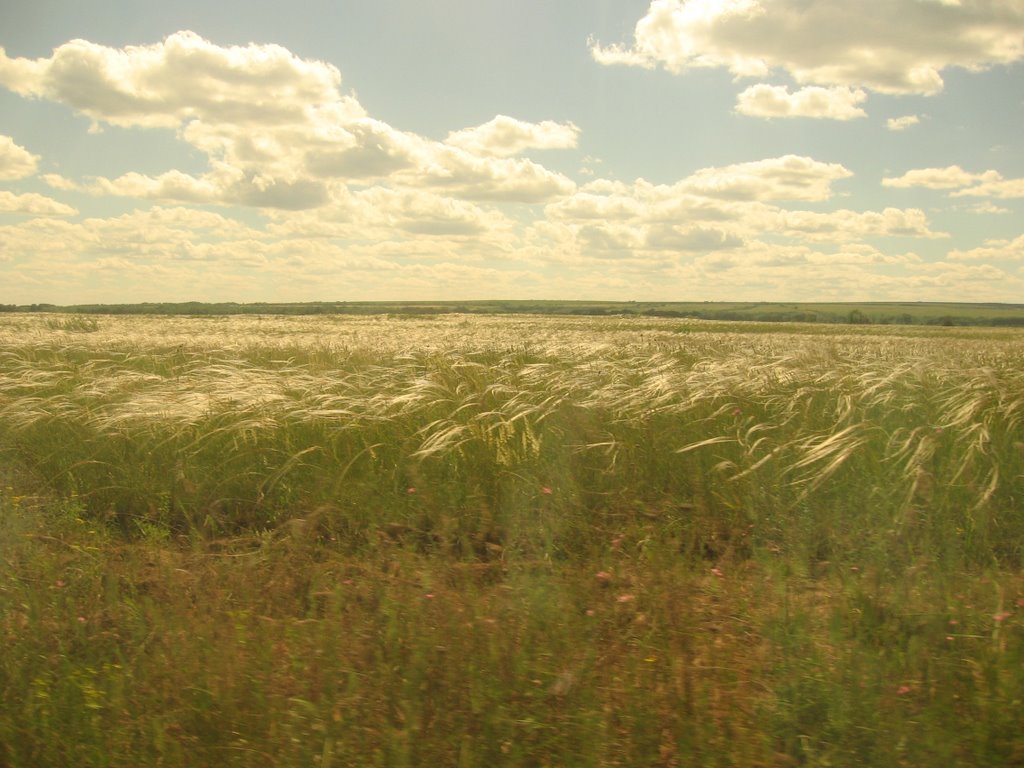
(509, 541)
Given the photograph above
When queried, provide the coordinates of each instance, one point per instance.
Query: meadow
(509, 540)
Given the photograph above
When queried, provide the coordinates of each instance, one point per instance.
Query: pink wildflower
(627, 598)
(410, 489)
(718, 572)
(1002, 616)
(903, 690)
(603, 576)
(546, 490)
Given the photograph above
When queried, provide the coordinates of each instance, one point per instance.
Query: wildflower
(59, 583)
(410, 490)
(590, 611)
(1002, 616)
(626, 598)
(429, 596)
(736, 411)
(603, 576)
(546, 490)
(903, 690)
(953, 622)
(718, 572)
(81, 619)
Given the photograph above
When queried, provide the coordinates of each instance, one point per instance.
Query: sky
(644, 150)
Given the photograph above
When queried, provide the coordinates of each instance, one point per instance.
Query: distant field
(507, 540)
(886, 313)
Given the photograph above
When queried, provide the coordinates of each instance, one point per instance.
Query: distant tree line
(865, 314)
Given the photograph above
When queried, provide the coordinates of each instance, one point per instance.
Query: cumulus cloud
(277, 130)
(731, 193)
(720, 217)
(851, 225)
(966, 184)
(158, 233)
(182, 78)
(951, 177)
(835, 103)
(690, 238)
(902, 123)
(33, 204)
(888, 46)
(988, 207)
(505, 136)
(790, 177)
(16, 162)
(992, 250)
(1001, 188)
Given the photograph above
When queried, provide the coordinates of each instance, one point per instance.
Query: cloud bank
(305, 193)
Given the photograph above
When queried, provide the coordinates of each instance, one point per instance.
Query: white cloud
(993, 250)
(56, 181)
(700, 239)
(834, 103)
(225, 185)
(1000, 188)
(156, 234)
(382, 214)
(15, 162)
(182, 78)
(851, 225)
(950, 177)
(902, 123)
(33, 204)
(505, 136)
(988, 207)
(966, 184)
(276, 129)
(790, 177)
(888, 46)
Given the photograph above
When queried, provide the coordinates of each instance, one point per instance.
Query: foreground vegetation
(509, 541)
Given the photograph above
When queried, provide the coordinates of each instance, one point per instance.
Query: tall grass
(493, 540)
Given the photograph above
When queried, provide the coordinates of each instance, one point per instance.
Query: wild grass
(509, 541)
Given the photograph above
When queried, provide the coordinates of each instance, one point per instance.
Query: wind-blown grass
(404, 518)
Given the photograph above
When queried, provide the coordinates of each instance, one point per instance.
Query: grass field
(506, 540)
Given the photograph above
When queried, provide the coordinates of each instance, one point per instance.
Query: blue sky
(667, 150)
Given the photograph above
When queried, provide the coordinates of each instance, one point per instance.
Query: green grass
(509, 541)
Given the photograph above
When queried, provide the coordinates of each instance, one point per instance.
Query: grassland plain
(507, 540)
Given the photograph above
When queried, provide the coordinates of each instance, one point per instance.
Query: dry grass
(508, 541)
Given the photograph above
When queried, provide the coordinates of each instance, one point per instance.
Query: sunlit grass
(520, 541)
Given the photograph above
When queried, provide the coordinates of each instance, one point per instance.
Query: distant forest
(856, 313)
